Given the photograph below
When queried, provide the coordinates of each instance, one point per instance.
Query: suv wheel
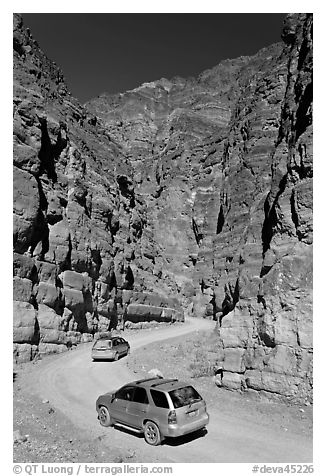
(104, 417)
(152, 433)
(116, 356)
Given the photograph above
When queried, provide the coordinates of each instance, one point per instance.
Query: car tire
(104, 417)
(152, 433)
(116, 356)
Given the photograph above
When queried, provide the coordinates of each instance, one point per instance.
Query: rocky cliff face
(80, 228)
(181, 195)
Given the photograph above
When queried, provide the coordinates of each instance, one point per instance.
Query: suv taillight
(172, 417)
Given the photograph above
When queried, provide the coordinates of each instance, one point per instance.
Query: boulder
(305, 330)
(72, 280)
(232, 381)
(50, 295)
(24, 352)
(282, 360)
(59, 244)
(237, 329)
(22, 289)
(143, 312)
(26, 209)
(233, 360)
(24, 324)
(74, 300)
(285, 328)
(24, 267)
(280, 383)
(155, 373)
(48, 348)
(50, 326)
(47, 272)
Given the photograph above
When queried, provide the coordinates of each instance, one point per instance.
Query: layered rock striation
(182, 195)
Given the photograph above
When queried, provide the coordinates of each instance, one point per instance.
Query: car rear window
(184, 396)
(100, 344)
(159, 398)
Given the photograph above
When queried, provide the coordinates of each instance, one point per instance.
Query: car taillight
(172, 417)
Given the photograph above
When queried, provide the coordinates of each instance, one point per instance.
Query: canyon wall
(181, 196)
(82, 243)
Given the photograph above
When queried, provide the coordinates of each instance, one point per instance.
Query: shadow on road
(103, 360)
(128, 432)
(182, 440)
(109, 360)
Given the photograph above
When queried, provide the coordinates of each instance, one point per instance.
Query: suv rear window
(159, 398)
(184, 396)
(101, 344)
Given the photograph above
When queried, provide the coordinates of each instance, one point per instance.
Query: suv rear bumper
(179, 430)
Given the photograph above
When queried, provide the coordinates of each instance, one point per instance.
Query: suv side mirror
(113, 397)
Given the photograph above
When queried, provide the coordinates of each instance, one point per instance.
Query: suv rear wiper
(194, 400)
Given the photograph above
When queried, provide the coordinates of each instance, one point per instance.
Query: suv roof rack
(147, 379)
(164, 380)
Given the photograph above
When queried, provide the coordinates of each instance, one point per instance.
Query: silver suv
(155, 406)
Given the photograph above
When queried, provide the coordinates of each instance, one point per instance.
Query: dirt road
(72, 383)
